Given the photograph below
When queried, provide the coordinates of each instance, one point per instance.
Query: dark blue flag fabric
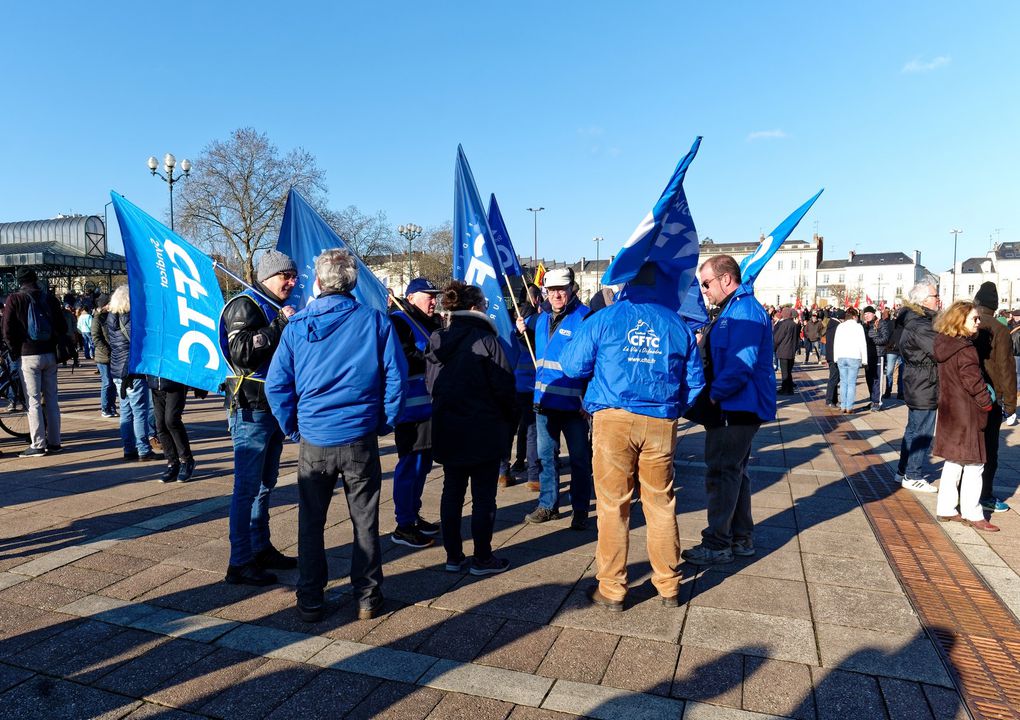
(304, 234)
(505, 248)
(175, 303)
(475, 258)
(752, 265)
(667, 237)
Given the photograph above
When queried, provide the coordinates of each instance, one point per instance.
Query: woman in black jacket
(168, 398)
(471, 382)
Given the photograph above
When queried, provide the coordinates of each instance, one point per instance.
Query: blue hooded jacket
(640, 356)
(338, 374)
(740, 342)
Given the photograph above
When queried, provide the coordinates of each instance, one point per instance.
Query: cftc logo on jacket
(643, 343)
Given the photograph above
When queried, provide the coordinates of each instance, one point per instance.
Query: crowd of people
(609, 380)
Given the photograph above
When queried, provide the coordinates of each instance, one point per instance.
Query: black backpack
(40, 328)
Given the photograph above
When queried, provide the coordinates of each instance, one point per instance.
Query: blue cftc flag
(303, 237)
(175, 303)
(475, 258)
(500, 236)
(752, 265)
(667, 237)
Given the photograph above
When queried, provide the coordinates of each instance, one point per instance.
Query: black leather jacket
(251, 341)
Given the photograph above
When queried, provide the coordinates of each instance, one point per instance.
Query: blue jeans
(107, 392)
(812, 345)
(134, 409)
(892, 360)
(848, 369)
(916, 442)
(408, 484)
(258, 444)
(574, 427)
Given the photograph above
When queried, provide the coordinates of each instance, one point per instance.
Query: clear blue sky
(905, 112)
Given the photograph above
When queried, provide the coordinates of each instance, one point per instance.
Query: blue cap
(421, 285)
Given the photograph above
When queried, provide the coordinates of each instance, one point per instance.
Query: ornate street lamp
(169, 163)
(410, 232)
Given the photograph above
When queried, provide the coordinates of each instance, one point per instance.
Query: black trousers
(786, 367)
(483, 507)
(168, 408)
(992, 428)
(356, 465)
(832, 389)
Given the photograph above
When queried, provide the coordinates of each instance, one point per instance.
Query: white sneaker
(918, 485)
(1011, 420)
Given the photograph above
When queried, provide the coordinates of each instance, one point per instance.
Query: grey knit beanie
(273, 262)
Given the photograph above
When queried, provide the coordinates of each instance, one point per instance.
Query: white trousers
(961, 485)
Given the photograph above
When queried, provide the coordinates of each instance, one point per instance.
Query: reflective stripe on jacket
(553, 389)
(417, 403)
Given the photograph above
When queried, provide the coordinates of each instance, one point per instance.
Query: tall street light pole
(169, 163)
(598, 280)
(536, 211)
(410, 232)
(955, 234)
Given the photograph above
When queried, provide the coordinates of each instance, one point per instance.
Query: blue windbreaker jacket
(640, 356)
(554, 390)
(741, 344)
(339, 373)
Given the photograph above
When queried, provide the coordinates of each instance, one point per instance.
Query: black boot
(171, 473)
(187, 470)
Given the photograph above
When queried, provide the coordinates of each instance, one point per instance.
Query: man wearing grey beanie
(250, 330)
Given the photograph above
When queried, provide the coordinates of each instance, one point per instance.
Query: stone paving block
(982, 555)
(579, 655)
(42, 698)
(11, 676)
(331, 693)
(863, 608)
(945, 704)
(103, 657)
(200, 628)
(274, 643)
(407, 628)
(194, 685)
(165, 520)
(780, 688)
(821, 541)
(373, 661)
(111, 562)
(79, 578)
(43, 655)
(461, 637)
(850, 572)
(44, 596)
(644, 618)
(397, 701)
(780, 564)
(606, 703)
(410, 584)
(522, 712)
(904, 699)
(212, 556)
(11, 579)
(703, 711)
(751, 634)
(151, 711)
(840, 695)
(149, 670)
(110, 610)
(499, 597)
(642, 666)
(773, 537)
(1006, 584)
(145, 549)
(908, 657)
(495, 683)
(143, 581)
(259, 692)
(519, 646)
(454, 706)
(22, 627)
(271, 600)
(710, 675)
(769, 596)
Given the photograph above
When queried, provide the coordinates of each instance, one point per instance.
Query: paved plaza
(112, 603)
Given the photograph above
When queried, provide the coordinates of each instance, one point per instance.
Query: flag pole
(223, 269)
(517, 309)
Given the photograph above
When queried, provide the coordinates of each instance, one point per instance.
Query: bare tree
(366, 235)
(233, 202)
(436, 259)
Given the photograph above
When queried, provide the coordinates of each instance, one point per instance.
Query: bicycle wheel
(13, 417)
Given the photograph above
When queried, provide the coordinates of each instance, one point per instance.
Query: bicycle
(13, 404)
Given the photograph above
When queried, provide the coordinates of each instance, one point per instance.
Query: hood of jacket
(946, 347)
(324, 316)
(464, 327)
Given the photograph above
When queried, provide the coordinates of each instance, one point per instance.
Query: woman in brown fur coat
(964, 403)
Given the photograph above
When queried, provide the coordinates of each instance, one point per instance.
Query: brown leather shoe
(951, 518)
(982, 525)
(597, 598)
(534, 486)
(505, 481)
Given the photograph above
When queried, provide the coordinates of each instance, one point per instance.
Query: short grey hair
(336, 270)
(120, 301)
(920, 292)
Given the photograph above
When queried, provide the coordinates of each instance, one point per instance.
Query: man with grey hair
(335, 384)
(920, 384)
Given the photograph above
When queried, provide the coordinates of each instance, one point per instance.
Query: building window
(899, 291)
(899, 276)
(825, 279)
(840, 278)
(780, 265)
(970, 289)
(860, 277)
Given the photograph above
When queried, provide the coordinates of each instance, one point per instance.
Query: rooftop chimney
(917, 257)
(852, 254)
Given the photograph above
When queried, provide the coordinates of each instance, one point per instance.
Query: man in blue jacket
(644, 370)
(739, 395)
(558, 402)
(335, 384)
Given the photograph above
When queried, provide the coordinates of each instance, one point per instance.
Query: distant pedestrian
(876, 337)
(785, 335)
(131, 388)
(832, 387)
(168, 400)
(101, 343)
(812, 330)
(850, 350)
(920, 384)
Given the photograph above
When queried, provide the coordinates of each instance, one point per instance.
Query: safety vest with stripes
(553, 389)
(259, 374)
(417, 403)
